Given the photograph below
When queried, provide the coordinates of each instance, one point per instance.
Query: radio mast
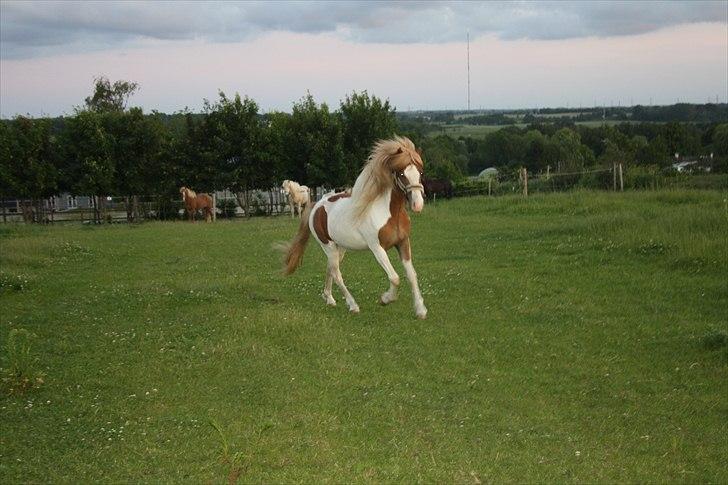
(468, 70)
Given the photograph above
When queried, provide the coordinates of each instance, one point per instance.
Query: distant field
(573, 337)
(480, 131)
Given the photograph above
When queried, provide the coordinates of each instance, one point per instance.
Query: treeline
(107, 149)
(683, 112)
(104, 148)
(567, 147)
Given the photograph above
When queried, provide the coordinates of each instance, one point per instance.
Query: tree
(314, 149)
(110, 97)
(241, 143)
(445, 158)
(572, 154)
(720, 140)
(364, 120)
(88, 166)
(28, 157)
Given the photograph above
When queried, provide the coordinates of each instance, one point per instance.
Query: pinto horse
(298, 195)
(195, 201)
(372, 217)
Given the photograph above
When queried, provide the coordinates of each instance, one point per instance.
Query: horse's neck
(397, 202)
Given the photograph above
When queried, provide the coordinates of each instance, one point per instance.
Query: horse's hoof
(383, 300)
(421, 314)
(354, 310)
(329, 300)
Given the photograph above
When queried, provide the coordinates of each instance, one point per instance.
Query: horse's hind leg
(334, 255)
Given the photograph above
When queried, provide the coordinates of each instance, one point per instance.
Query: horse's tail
(293, 251)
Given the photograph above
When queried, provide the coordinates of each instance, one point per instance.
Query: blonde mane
(376, 177)
(187, 193)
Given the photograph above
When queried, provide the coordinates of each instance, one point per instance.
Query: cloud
(32, 29)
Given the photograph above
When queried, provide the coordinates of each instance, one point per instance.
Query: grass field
(576, 337)
(481, 131)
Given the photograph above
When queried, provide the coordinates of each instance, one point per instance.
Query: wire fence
(110, 209)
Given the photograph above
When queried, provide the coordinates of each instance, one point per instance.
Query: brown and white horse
(372, 217)
(298, 195)
(194, 201)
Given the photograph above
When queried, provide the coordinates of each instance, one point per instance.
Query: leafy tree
(572, 154)
(241, 143)
(314, 148)
(110, 97)
(445, 158)
(720, 140)
(364, 120)
(135, 148)
(88, 166)
(28, 157)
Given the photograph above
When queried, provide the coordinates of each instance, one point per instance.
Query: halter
(409, 187)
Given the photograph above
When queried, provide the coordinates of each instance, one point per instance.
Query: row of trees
(569, 147)
(106, 148)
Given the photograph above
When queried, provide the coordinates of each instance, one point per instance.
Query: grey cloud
(30, 29)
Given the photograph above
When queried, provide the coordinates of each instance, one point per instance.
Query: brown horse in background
(195, 201)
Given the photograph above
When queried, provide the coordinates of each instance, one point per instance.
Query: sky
(522, 54)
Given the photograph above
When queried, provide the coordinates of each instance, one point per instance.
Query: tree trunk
(127, 206)
(135, 206)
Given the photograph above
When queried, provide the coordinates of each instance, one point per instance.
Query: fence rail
(271, 202)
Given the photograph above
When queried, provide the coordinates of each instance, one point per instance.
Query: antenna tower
(468, 70)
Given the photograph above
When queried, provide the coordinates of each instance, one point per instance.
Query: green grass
(481, 131)
(574, 337)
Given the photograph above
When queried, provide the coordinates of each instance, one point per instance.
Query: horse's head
(286, 187)
(183, 191)
(407, 167)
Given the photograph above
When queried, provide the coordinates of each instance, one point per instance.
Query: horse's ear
(399, 150)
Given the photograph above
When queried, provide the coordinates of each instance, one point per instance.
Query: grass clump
(20, 372)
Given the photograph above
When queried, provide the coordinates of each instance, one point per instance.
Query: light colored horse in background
(372, 217)
(194, 201)
(298, 195)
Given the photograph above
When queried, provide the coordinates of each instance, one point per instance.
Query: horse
(440, 188)
(298, 195)
(372, 216)
(195, 201)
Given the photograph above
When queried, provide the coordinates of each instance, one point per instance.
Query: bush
(227, 207)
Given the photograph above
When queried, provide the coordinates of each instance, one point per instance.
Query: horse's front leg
(405, 254)
(383, 259)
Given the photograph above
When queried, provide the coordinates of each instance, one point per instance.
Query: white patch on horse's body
(373, 217)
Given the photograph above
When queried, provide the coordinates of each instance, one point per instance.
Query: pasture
(481, 131)
(574, 337)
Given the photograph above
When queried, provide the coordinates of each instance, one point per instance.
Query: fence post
(621, 179)
(490, 182)
(525, 182)
(614, 177)
(214, 206)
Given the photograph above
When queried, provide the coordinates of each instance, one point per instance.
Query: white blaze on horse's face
(416, 200)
